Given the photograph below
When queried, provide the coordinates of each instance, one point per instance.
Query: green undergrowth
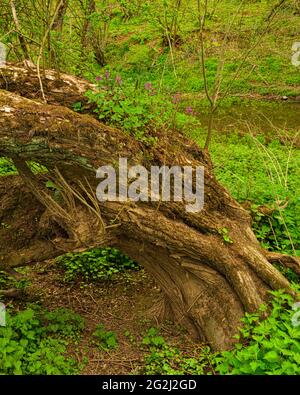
(259, 173)
(163, 358)
(139, 49)
(34, 342)
(265, 346)
(157, 41)
(268, 346)
(95, 265)
(104, 339)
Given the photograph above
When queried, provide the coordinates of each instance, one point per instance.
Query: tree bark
(59, 20)
(92, 35)
(64, 90)
(57, 27)
(207, 283)
(22, 40)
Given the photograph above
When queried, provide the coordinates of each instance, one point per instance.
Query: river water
(268, 118)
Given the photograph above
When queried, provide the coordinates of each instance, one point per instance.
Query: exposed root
(288, 261)
(82, 222)
(268, 273)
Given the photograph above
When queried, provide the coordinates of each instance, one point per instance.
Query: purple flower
(99, 78)
(189, 110)
(107, 75)
(176, 98)
(119, 80)
(148, 86)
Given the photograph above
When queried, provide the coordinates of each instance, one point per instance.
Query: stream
(259, 117)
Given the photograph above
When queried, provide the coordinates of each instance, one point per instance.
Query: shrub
(129, 106)
(62, 322)
(279, 230)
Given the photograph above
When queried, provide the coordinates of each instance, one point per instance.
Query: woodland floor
(121, 305)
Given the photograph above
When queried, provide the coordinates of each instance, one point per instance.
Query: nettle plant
(104, 339)
(35, 341)
(266, 346)
(279, 230)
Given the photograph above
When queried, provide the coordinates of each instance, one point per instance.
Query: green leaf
(272, 356)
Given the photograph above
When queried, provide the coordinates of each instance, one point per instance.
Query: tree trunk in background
(59, 20)
(22, 40)
(57, 27)
(90, 36)
(207, 283)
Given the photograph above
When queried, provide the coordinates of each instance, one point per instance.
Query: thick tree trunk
(62, 89)
(207, 283)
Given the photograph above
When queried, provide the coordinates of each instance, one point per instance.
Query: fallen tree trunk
(207, 283)
(59, 88)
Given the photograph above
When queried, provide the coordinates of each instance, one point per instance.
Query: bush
(129, 106)
(62, 322)
(279, 231)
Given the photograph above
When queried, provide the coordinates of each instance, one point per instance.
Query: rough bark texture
(60, 89)
(207, 283)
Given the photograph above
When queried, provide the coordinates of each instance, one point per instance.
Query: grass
(136, 49)
(264, 175)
